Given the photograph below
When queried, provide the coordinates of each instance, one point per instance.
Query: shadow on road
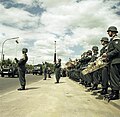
(30, 88)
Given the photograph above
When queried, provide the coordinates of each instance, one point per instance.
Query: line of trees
(29, 67)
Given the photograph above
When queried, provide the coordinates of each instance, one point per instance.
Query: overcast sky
(75, 25)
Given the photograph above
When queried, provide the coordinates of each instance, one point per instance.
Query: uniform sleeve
(116, 51)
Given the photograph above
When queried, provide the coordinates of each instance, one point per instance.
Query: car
(9, 71)
(37, 70)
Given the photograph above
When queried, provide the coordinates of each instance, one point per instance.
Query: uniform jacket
(113, 52)
(22, 62)
(94, 57)
(104, 49)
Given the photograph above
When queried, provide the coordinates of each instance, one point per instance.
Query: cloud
(76, 26)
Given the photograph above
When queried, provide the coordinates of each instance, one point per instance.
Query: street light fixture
(55, 53)
(2, 55)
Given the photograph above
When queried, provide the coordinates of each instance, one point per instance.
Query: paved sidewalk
(46, 99)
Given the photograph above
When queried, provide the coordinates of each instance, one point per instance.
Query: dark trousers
(105, 77)
(45, 76)
(89, 78)
(96, 77)
(57, 74)
(22, 77)
(115, 76)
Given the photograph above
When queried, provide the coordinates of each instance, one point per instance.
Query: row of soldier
(107, 76)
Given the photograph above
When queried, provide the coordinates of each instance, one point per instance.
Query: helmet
(104, 39)
(113, 29)
(25, 50)
(89, 51)
(59, 60)
(95, 48)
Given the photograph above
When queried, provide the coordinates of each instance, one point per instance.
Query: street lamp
(55, 53)
(2, 55)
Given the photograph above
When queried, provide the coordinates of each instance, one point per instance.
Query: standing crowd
(109, 75)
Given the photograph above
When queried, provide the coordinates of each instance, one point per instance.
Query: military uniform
(104, 72)
(49, 72)
(22, 68)
(58, 70)
(82, 67)
(87, 79)
(45, 71)
(93, 77)
(113, 55)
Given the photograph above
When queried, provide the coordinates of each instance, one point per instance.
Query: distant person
(64, 72)
(58, 70)
(49, 72)
(21, 68)
(45, 71)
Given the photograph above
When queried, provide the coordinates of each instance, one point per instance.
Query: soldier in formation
(93, 77)
(113, 56)
(108, 75)
(104, 72)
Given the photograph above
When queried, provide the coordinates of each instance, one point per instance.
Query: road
(47, 99)
(8, 84)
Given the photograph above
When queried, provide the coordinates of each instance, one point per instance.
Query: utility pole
(55, 53)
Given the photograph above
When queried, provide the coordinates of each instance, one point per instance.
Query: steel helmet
(95, 48)
(25, 50)
(104, 39)
(59, 59)
(113, 29)
(89, 51)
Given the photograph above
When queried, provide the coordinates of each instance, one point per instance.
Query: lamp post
(2, 55)
(55, 53)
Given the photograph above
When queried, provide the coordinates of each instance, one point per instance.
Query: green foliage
(29, 67)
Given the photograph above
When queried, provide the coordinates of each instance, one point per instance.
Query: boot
(81, 82)
(85, 84)
(22, 88)
(104, 91)
(88, 85)
(111, 93)
(94, 87)
(114, 95)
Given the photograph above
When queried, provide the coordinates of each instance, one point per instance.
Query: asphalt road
(47, 99)
(8, 84)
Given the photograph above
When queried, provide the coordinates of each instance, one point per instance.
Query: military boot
(114, 95)
(88, 85)
(22, 88)
(94, 87)
(104, 91)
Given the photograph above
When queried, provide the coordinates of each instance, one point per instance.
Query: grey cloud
(10, 3)
(68, 32)
(22, 26)
(35, 9)
(78, 1)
